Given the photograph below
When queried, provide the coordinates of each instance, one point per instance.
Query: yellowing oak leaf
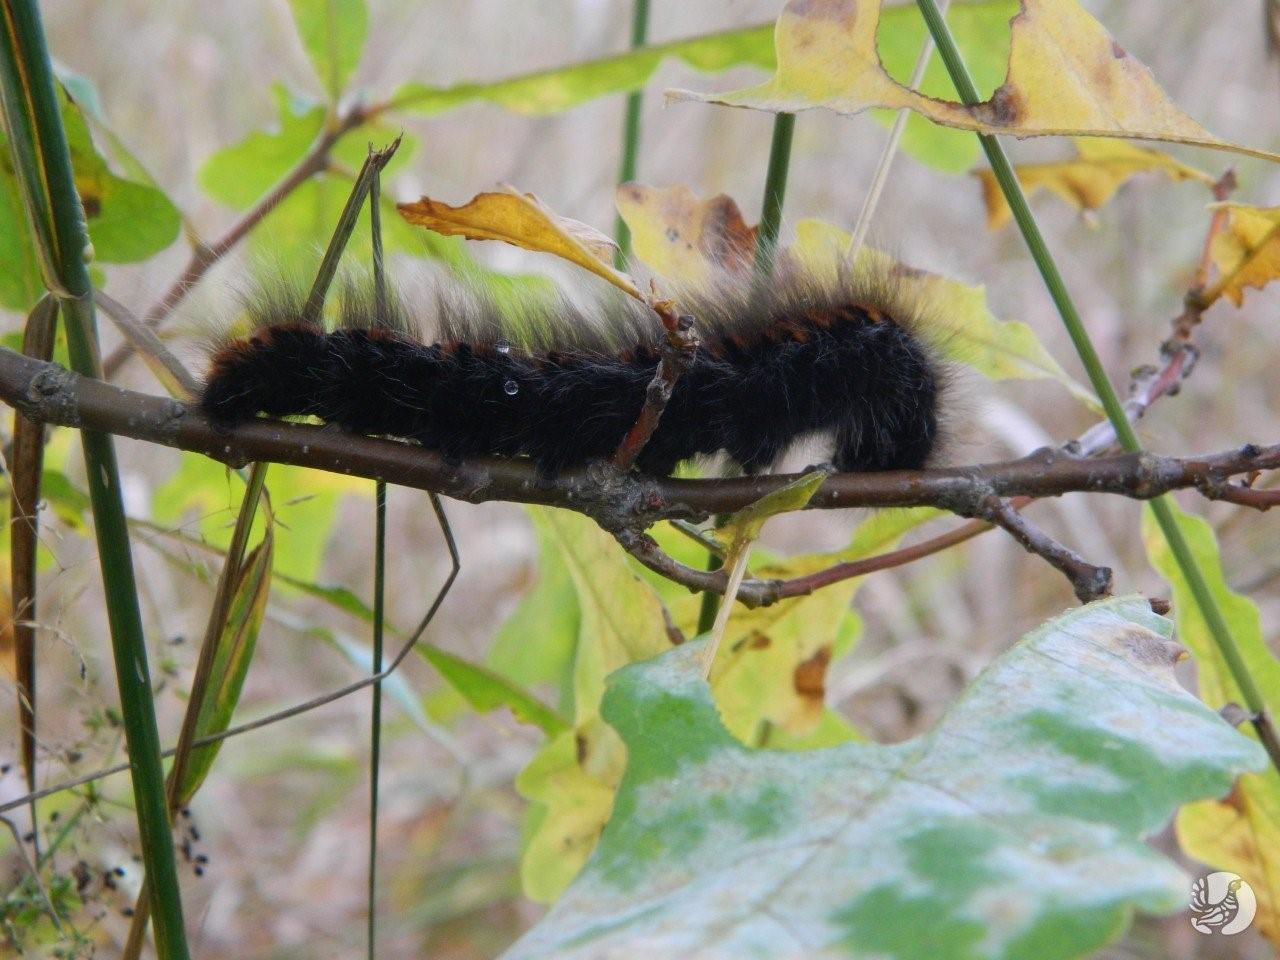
(1090, 180)
(965, 331)
(1246, 253)
(522, 220)
(684, 238)
(1066, 77)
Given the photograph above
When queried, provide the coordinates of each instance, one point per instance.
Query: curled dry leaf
(684, 238)
(1089, 180)
(1066, 77)
(523, 221)
(1246, 253)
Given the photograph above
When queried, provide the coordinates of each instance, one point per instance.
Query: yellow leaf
(1066, 77)
(684, 238)
(570, 784)
(573, 778)
(771, 673)
(1090, 180)
(1247, 252)
(964, 328)
(1240, 832)
(523, 221)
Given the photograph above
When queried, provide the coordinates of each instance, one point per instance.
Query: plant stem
(379, 589)
(631, 132)
(375, 745)
(1128, 438)
(42, 164)
(775, 191)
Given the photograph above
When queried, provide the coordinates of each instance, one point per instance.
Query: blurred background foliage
(188, 113)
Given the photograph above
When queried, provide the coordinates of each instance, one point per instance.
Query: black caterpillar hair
(842, 359)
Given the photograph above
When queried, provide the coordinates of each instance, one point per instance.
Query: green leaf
(536, 644)
(981, 30)
(976, 23)
(239, 175)
(305, 501)
(236, 643)
(333, 34)
(1011, 830)
(620, 617)
(486, 690)
(129, 218)
(560, 88)
(770, 679)
(745, 525)
(1242, 832)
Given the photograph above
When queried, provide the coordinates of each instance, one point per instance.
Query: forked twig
(1090, 582)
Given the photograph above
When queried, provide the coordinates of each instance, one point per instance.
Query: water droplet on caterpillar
(511, 388)
(503, 346)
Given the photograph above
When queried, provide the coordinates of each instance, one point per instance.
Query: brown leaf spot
(1236, 799)
(810, 678)
(727, 240)
(755, 640)
(1146, 647)
(92, 205)
(1118, 51)
(1004, 109)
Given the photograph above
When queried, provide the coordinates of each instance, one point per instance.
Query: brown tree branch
(48, 393)
(1090, 582)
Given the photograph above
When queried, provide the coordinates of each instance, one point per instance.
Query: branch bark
(48, 393)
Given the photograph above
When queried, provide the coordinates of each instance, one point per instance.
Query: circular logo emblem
(1222, 903)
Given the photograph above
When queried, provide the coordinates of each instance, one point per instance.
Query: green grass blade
(631, 132)
(42, 163)
(1012, 190)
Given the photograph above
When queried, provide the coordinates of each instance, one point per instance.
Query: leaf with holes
(1013, 829)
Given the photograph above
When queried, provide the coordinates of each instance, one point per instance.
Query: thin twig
(1149, 384)
(1194, 303)
(169, 370)
(1090, 582)
(679, 347)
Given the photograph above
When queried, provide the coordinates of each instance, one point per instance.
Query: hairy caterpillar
(840, 359)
